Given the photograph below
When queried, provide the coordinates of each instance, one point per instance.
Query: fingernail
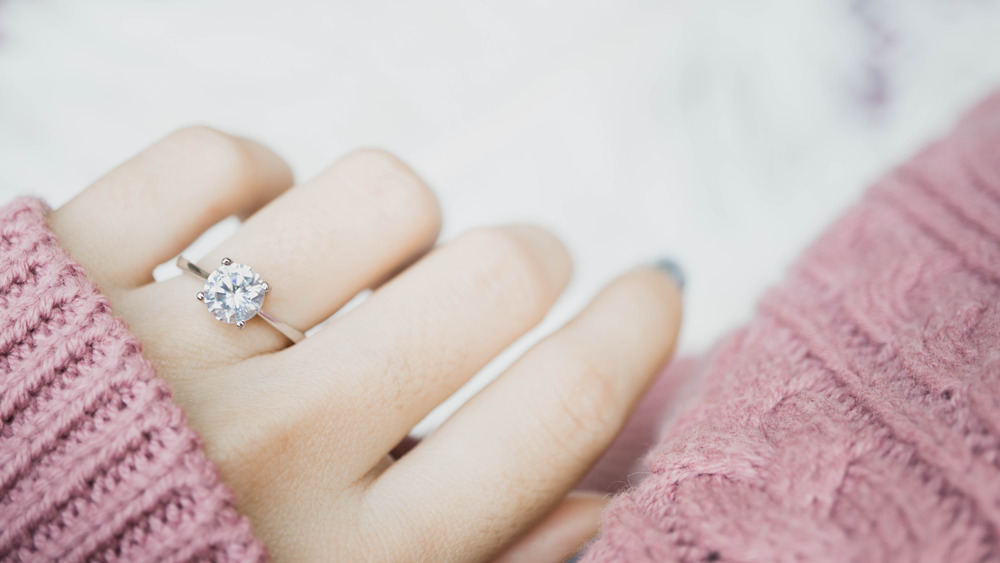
(672, 269)
(576, 558)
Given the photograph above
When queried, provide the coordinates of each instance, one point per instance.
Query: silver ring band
(234, 293)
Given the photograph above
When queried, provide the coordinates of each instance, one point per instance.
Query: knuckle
(216, 153)
(507, 269)
(586, 412)
(201, 139)
(380, 161)
(394, 188)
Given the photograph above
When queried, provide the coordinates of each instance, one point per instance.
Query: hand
(302, 432)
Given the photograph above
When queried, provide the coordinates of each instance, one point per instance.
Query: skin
(303, 433)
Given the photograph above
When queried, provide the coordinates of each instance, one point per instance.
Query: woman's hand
(303, 432)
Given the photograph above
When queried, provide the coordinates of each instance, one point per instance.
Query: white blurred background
(723, 133)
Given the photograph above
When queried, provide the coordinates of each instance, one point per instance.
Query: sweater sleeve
(857, 416)
(96, 462)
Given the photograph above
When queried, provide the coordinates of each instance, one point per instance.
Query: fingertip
(644, 309)
(548, 250)
(672, 269)
(648, 293)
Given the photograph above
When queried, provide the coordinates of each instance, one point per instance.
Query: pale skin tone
(302, 433)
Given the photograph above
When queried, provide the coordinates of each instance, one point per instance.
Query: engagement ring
(234, 294)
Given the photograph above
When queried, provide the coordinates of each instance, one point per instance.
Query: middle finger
(377, 371)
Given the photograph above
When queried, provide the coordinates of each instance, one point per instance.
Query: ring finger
(317, 246)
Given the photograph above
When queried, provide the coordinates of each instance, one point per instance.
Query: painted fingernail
(672, 269)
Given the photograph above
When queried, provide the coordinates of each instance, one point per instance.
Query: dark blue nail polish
(672, 269)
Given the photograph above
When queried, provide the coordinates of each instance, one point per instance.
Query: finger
(421, 336)
(508, 455)
(561, 534)
(150, 208)
(415, 341)
(346, 229)
(317, 246)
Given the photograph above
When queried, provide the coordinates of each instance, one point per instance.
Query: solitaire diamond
(234, 293)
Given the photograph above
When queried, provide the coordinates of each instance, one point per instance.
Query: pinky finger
(562, 533)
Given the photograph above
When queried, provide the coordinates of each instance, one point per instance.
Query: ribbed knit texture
(96, 462)
(857, 417)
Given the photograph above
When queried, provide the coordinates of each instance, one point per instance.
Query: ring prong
(241, 324)
(200, 295)
(266, 287)
(226, 261)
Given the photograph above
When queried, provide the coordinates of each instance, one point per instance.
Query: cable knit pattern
(857, 417)
(96, 462)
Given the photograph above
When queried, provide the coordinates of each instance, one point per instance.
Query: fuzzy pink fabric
(857, 417)
(96, 462)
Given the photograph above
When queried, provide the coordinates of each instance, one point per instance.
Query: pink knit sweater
(856, 418)
(95, 460)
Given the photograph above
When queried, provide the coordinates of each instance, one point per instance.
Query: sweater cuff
(96, 461)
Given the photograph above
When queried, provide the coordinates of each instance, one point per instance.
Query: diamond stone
(234, 293)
